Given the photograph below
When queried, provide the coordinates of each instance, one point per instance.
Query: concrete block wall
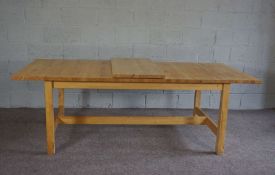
(239, 33)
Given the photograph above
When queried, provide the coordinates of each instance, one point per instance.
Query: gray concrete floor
(90, 149)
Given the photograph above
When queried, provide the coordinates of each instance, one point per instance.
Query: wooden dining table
(134, 74)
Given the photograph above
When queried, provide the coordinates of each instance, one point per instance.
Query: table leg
(50, 123)
(197, 101)
(60, 102)
(222, 119)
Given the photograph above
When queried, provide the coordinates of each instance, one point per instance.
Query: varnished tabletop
(117, 70)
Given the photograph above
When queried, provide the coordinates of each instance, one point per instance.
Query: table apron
(136, 86)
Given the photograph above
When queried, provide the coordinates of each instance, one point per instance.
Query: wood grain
(221, 128)
(135, 68)
(50, 121)
(132, 120)
(101, 71)
(197, 101)
(208, 121)
(136, 86)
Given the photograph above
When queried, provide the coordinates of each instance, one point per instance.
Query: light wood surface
(101, 71)
(137, 86)
(60, 106)
(197, 101)
(132, 120)
(204, 73)
(135, 68)
(211, 125)
(50, 121)
(224, 100)
(208, 121)
(60, 102)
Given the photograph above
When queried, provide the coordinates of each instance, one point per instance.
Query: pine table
(134, 74)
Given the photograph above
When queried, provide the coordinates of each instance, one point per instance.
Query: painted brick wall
(239, 33)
